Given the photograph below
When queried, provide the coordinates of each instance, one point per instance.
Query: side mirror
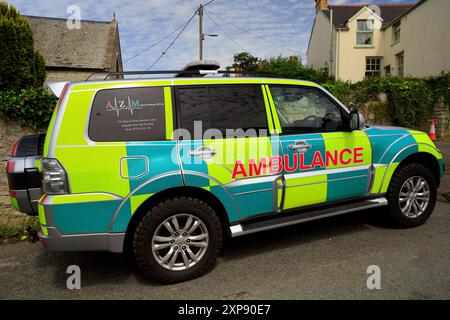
(356, 120)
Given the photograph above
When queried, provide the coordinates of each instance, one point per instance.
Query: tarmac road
(325, 259)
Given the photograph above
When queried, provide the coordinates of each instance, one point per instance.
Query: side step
(283, 220)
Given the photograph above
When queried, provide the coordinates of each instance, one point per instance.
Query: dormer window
(364, 33)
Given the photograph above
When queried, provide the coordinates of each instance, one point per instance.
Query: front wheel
(411, 195)
(177, 240)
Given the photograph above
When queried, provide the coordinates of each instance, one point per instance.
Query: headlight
(54, 179)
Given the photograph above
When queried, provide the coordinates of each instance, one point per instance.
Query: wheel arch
(186, 191)
(427, 160)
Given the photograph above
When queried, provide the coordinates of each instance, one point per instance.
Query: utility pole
(200, 32)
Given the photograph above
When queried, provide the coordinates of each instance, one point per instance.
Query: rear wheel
(411, 195)
(177, 240)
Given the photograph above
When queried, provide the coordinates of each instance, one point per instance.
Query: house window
(364, 33)
(396, 32)
(387, 71)
(373, 67)
(400, 64)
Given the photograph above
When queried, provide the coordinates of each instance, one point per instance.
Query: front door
(322, 161)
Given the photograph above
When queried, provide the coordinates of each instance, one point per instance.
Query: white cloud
(143, 22)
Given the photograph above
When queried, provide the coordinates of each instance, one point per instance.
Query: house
(356, 41)
(75, 54)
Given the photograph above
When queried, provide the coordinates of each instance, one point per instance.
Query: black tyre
(411, 195)
(177, 240)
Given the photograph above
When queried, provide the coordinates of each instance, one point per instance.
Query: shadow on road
(99, 268)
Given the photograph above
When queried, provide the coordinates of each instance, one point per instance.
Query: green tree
(245, 61)
(21, 66)
(292, 67)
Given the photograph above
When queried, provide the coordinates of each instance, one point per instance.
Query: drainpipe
(338, 34)
(330, 71)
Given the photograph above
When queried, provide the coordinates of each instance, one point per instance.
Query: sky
(265, 28)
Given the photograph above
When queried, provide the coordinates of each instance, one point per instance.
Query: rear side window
(222, 107)
(237, 107)
(131, 114)
(194, 106)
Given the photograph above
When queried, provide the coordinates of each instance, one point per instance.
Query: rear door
(323, 162)
(225, 147)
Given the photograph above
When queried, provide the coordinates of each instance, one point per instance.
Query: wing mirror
(356, 120)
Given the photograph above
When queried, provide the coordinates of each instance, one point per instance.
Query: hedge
(29, 107)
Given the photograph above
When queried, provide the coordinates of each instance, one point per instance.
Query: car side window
(129, 114)
(222, 107)
(194, 106)
(305, 110)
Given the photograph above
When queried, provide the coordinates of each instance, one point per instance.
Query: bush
(20, 65)
(31, 107)
(440, 87)
(410, 100)
(344, 91)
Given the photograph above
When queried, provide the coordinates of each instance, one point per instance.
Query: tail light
(10, 166)
(54, 178)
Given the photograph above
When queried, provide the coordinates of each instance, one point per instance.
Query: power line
(153, 45)
(208, 3)
(251, 33)
(229, 37)
(173, 41)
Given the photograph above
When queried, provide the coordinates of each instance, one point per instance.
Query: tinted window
(194, 106)
(222, 107)
(305, 110)
(237, 107)
(132, 114)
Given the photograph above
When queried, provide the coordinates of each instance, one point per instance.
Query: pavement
(325, 259)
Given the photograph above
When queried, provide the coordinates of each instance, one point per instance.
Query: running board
(282, 220)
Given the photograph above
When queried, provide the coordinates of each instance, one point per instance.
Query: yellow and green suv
(165, 168)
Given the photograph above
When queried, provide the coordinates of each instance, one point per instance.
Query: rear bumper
(26, 201)
(24, 181)
(53, 239)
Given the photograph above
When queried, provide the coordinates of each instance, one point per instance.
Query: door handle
(302, 146)
(203, 153)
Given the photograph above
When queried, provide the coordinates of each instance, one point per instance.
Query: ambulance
(163, 169)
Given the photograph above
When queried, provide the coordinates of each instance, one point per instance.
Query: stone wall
(376, 112)
(442, 117)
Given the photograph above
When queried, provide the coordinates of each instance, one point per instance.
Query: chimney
(321, 4)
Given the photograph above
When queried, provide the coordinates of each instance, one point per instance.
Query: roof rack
(177, 73)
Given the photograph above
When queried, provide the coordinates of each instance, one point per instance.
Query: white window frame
(371, 62)
(368, 30)
(396, 30)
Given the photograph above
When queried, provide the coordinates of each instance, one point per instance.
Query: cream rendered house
(355, 41)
